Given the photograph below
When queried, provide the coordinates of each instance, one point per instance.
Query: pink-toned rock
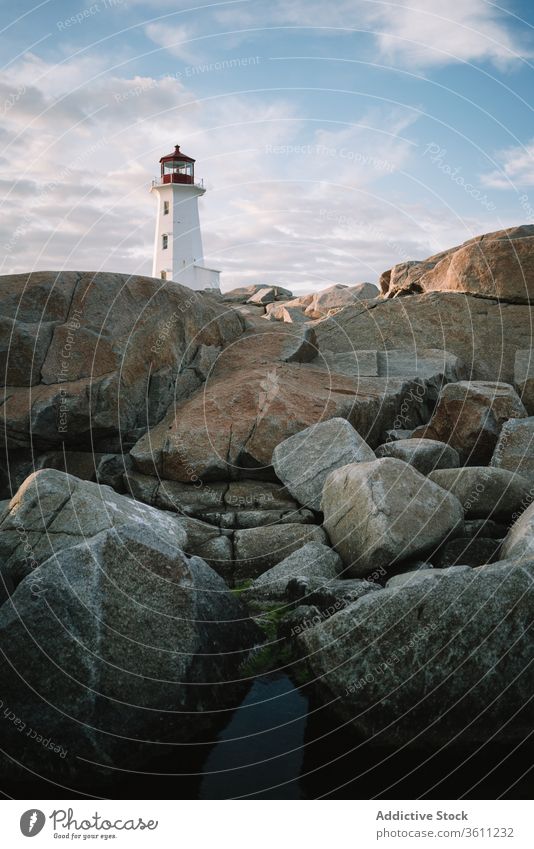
(339, 296)
(496, 265)
(483, 333)
(232, 425)
(95, 355)
(469, 416)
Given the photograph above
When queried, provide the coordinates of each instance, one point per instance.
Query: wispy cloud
(412, 33)
(516, 169)
(179, 40)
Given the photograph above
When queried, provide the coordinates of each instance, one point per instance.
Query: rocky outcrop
(313, 560)
(53, 511)
(107, 648)
(255, 399)
(245, 294)
(92, 356)
(383, 512)
(524, 378)
(432, 662)
(230, 429)
(469, 416)
(485, 492)
(425, 455)
(483, 333)
(515, 448)
(338, 297)
(519, 542)
(258, 549)
(467, 551)
(304, 461)
(496, 265)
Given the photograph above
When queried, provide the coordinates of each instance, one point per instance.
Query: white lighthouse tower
(178, 252)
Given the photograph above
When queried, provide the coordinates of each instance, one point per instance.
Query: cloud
(427, 32)
(180, 40)
(288, 200)
(516, 168)
(412, 33)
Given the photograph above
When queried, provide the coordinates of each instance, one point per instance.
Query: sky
(334, 139)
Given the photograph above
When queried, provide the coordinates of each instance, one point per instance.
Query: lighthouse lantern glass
(177, 166)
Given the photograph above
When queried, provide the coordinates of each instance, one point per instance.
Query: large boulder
(254, 399)
(469, 416)
(258, 549)
(314, 560)
(515, 448)
(243, 294)
(467, 551)
(495, 265)
(53, 511)
(431, 366)
(231, 428)
(304, 461)
(434, 661)
(524, 378)
(339, 296)
(485, 492)
(484, 334)
(425, 455)
(519, 542)
(107, 355)
(230, 504)
(382, 512)
(107, 648)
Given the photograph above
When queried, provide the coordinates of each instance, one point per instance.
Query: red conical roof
(177, 154)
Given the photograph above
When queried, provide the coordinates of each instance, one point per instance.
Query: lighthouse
(178, 252)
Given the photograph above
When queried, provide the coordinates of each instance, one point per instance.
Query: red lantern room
(177, 167)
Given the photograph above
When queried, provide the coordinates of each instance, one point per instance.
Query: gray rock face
(304, 461)
(143, 628)
(467, 551)
(485, 528)
(425, 455)
(524, 377)
(329, 596)
(410, 578)
(519, 542)
(434, 661)
(312, 560)
(485, 492)
(53, 511)
(298, 620)
(385, 511)
(515, 449)
(216, 498)
(469, 416)
(258, 549)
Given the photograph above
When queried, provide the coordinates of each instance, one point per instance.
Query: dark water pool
(260, 752)
(281, 743)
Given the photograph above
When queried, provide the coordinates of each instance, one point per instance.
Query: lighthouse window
(164, 241)
(165, 207)
(175, 166)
